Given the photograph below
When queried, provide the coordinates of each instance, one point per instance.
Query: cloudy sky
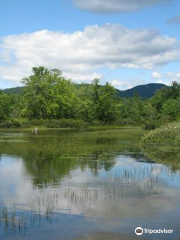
(125, 42)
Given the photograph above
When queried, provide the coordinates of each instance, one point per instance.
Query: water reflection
(169, 155)
(63, 181)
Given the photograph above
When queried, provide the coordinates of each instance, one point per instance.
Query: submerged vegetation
(50, 100)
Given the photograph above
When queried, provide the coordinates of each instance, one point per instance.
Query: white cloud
(156, 75)
(161, 81)
(177, 76)
(168, 78)
(109, 6)
(173, 76)
(80, 55)
(122, 85)
(117, 83)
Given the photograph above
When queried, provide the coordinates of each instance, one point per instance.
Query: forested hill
(16, 90)
(144, 91)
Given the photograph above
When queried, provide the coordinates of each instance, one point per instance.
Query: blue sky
(125, 42)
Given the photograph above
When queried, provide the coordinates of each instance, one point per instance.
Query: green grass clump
(168, 134)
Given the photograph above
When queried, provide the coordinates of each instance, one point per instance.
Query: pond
(86, 185)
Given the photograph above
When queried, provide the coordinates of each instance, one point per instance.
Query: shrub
(66, 123)
(36, 122)
(13, 123)
(150, 125)
(125, 121)
(97, 123)
(168, 134)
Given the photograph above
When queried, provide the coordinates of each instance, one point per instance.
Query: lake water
(86, 185)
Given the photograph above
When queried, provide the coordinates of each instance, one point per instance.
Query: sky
(124, 42)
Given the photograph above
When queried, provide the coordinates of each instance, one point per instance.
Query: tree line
(48, 98)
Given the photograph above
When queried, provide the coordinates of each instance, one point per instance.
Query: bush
(125, 121)
(97, 123)
(13, 123)
(168, 134)
(36, 122)
(66, 123)
(150, 125)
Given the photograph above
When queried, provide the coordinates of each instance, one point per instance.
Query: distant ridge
(16, 90)
(144, 91)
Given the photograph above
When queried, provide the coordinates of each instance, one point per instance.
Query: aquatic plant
(11, 222)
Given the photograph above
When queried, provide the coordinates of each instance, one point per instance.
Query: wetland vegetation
(92, 181)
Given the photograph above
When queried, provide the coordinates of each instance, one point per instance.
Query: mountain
(16, 90)
(144, 91)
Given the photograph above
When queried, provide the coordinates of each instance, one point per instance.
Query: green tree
(85, 109)
(104, 99)
(132, 108)
(166, 102)
(95, 88)
(171, 108)
(7, 103)
(48, 95)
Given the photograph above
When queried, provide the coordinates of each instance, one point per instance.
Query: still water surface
(91, 185)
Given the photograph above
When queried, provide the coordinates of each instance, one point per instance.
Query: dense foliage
(50, 99)
(167, 134)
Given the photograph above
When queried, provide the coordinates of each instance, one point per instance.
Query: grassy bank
(168, 134)
(41, 123)
(62, 123)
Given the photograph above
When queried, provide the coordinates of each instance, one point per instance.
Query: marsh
(93, 184)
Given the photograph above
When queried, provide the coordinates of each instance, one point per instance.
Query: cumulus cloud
(175, 19)
(110, 6)
(117, 83)
(173, 76)
(166, 78)
(123, 85)
(156, 75)
(80, 55)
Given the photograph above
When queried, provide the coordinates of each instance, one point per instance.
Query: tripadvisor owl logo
(139, 231)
